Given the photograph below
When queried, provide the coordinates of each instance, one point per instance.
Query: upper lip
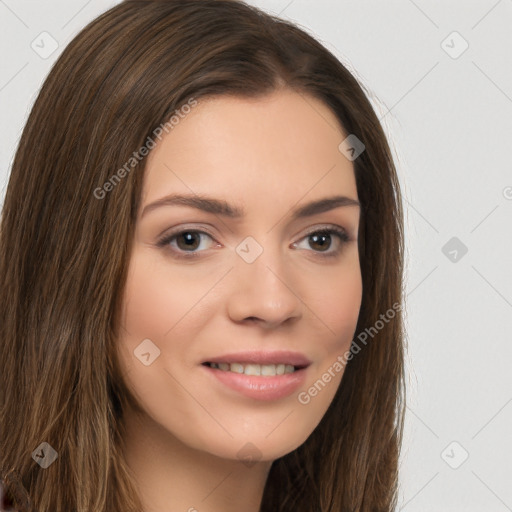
(263, 357)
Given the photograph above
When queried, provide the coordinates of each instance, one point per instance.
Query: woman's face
(241, 278)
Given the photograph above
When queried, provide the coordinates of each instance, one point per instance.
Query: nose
(263, 292)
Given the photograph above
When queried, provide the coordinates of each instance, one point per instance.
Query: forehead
(284, 143)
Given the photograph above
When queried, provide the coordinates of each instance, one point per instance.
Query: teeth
(266, 370)
(252, 369)
(237, 368)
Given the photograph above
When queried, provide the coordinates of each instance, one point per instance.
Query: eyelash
(339, 232)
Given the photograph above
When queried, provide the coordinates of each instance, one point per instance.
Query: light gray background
(449, 121)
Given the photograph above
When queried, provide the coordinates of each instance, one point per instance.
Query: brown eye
(188, 240)
(321, 241)
(184, 243)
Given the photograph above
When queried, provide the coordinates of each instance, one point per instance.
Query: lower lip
(260, 388)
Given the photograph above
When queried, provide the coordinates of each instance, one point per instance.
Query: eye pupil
(189, 240)
(323, 237)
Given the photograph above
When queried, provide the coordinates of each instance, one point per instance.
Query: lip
(257, 387)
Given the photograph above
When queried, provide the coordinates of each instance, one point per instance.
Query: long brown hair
(64, 254)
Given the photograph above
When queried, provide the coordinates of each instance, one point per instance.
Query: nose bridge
(263, 283)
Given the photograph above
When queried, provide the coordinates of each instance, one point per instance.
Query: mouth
(260, 375)
(263, 370)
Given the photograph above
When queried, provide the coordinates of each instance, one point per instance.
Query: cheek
(156, 300)
(148, 306)
(336, 304)
(157, 306)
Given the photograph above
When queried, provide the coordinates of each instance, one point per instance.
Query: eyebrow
(221, 207)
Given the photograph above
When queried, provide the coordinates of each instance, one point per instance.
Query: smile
(256, 381)
(264, 370)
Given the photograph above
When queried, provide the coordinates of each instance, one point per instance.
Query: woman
(201, 271)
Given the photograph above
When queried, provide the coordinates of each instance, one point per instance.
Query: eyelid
(326, 227)
(185, 227)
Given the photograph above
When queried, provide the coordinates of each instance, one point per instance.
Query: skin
(268, 155)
